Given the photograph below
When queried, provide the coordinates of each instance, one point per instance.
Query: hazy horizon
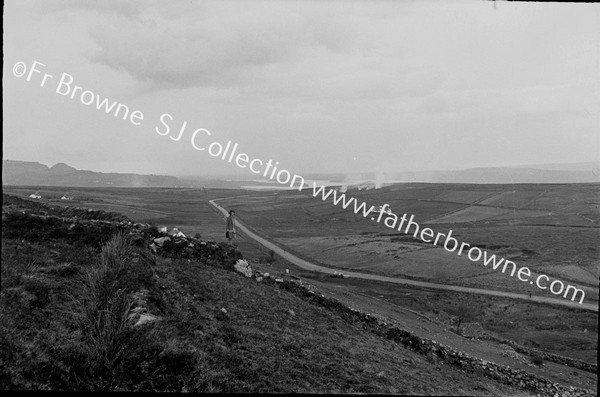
(320, 87)
(593, 167)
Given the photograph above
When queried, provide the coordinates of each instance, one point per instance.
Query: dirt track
(311, 266)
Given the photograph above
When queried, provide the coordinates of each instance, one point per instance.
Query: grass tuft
(102, 313)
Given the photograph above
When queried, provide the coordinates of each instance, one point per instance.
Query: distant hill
(546, 173)
(588, 172)
(586, 166)
(61, 174)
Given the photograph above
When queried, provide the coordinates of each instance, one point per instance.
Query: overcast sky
(320, 86)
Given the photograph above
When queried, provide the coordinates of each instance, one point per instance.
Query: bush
(270, 259)
(537, 360)
(465, 314)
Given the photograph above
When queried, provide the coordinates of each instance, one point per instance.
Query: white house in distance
(65, 197)
(35, 196)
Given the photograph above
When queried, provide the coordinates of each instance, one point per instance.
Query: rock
(259, 278)
(145, 318)
(177, 233)
(163, 229)
(279, 280)
(266, 275)
(136, 310)
(223, 310)
(291, 312)
(160, 241)
(243, 267)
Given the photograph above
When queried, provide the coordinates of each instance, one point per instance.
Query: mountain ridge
(23, 173)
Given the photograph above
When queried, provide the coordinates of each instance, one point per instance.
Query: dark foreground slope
(86, 305)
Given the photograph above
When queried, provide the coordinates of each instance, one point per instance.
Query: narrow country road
(311, 266)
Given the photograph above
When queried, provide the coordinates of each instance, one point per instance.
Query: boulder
(160, 241)
(177, 233)
(243, 267)
(145, 318)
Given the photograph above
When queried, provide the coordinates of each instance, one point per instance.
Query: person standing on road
(230, 227)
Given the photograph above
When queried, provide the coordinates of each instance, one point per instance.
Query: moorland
(550, 228)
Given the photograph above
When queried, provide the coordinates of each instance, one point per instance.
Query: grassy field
(562, 243)
(552, 229)
(561, 240)
(69, 306)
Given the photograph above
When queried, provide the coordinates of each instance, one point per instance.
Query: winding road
(317, 268)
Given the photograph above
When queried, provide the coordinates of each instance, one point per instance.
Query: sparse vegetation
(40, 343)
(102, 313)
(537, 360)
(67, 325)
(268, 259)
(464, 314)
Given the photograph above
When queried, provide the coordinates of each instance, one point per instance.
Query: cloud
(224, 44)
(267, 49)
(127, 9)
(550, 101)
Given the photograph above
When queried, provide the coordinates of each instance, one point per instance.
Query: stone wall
(430, 348)
(571, 362)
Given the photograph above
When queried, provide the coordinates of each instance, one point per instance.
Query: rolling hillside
(205, 328)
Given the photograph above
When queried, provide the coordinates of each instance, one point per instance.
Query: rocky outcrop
(209, 252)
